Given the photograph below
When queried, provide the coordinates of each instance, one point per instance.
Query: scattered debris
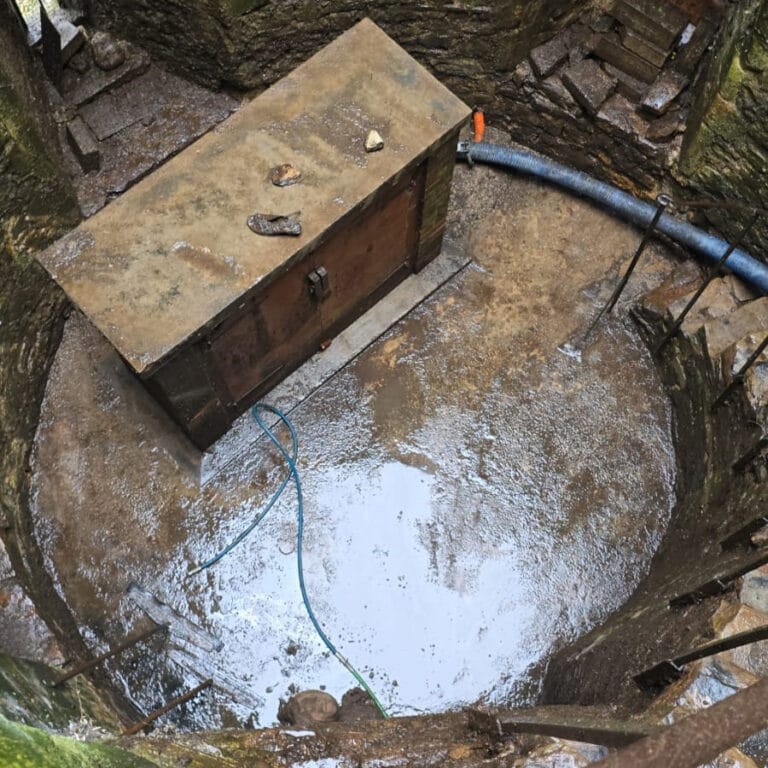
(108, 53)
(284, 175)
(307, 708)
(374, 142)
(275, 223)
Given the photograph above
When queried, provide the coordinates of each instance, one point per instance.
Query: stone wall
(725, 154)
(716, 497)
(472, 45)
(37, 205)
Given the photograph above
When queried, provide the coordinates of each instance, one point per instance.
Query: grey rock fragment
(108, 53)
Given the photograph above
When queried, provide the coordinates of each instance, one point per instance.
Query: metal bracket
(319, 286)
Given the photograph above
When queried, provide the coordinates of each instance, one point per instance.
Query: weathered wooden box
(211, 315)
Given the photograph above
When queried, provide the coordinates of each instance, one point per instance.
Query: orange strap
(478, 124)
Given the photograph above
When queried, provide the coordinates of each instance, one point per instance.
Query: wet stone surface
(472, 496)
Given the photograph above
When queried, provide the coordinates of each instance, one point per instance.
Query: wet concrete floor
(473, 496)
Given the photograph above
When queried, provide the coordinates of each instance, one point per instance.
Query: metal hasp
(211, 315)
(319, 285)
(721, 583)
(669, 670)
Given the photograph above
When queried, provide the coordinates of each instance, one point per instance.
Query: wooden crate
(211, 315)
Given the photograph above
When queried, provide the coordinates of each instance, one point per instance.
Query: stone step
(657, 21)
(608, 47)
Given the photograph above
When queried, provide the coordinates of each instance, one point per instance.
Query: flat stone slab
(645, 50)
(589, 84)
(610, 49)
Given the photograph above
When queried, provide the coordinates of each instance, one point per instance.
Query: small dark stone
(589, 84)
(357, 705)
(108, 53)
(548, 57)
(81, 61)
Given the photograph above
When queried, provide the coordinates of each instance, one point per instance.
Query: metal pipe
(623, 204)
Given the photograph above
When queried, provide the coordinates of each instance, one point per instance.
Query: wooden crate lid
(157, 266)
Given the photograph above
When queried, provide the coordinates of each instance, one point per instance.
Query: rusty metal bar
(713, 273)
(744, 534)
(701, 737)
(172, 704)
(750, 455)
(721, 583)
(589, 728)
(669, 670)
(738, 377)
(116, 651)
(662, 201)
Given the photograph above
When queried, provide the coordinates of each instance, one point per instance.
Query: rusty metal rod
(739, 376)
(116, 651)
(750, 455)
(713, 273)
(172, 704)
(662, 201)
(700, 738)
(669, 670)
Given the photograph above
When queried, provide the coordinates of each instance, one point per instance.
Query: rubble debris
(271, 224)
(284, 175)
(108, 53)
(666, 127)
(589, 84)
(374, 142)
(83, 144)
(307, 708)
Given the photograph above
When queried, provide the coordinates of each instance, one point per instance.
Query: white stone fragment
(374, 142)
